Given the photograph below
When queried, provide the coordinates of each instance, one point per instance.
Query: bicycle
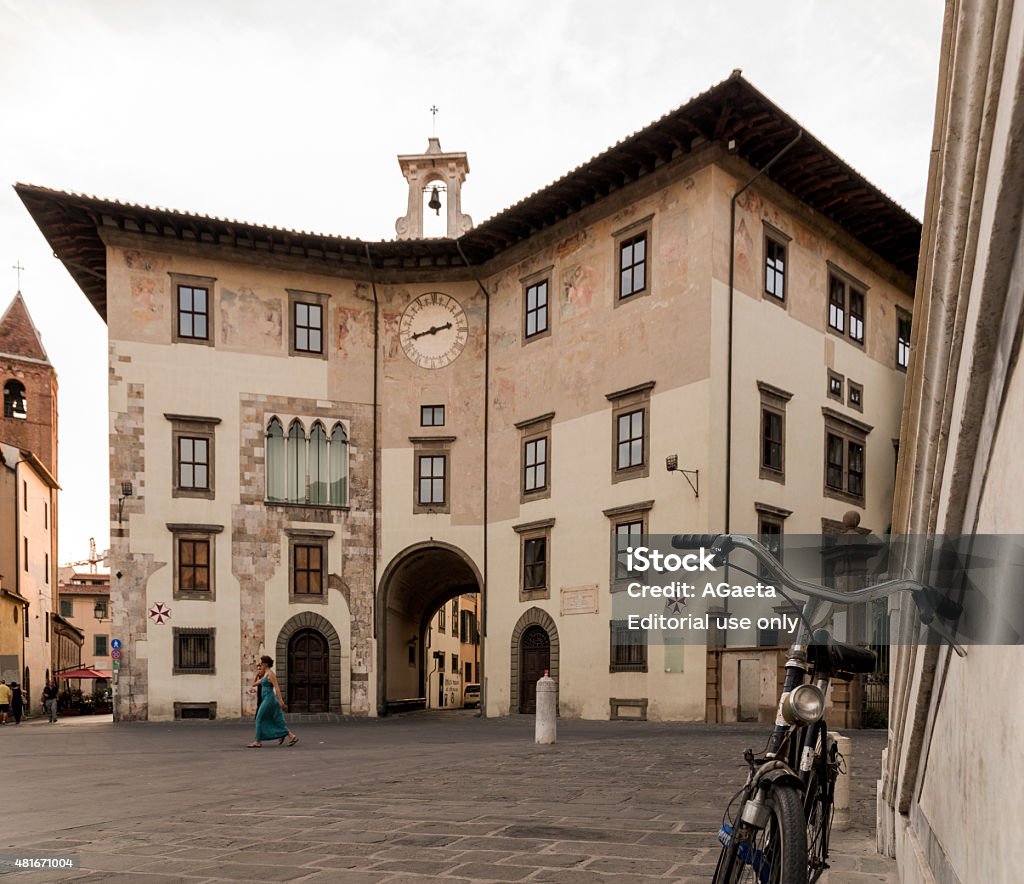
(779, 832)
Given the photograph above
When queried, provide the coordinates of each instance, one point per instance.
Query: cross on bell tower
(437, 172)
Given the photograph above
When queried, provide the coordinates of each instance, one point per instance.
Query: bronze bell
(435, 201)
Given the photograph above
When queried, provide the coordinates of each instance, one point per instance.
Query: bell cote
(441, 175)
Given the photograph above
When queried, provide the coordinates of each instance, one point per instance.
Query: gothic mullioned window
(307, 466)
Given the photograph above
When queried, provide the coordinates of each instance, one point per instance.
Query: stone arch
(310, 620)
(532, 617)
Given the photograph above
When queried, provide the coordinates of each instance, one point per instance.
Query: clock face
(433, 330)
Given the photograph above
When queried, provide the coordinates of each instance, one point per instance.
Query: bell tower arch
(446, 172)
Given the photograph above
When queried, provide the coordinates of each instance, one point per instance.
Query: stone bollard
(841, 804)
(546, 708)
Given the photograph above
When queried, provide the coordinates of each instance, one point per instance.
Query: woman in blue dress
(270, 723)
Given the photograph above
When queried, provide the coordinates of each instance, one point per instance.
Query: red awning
(84, 672)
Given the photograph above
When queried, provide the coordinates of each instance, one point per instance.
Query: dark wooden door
(534, 658)
(308, 680)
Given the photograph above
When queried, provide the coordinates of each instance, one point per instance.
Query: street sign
(116, 653)
(115, 643)
(117, 665)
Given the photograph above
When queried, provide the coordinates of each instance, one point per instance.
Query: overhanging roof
(733, 111)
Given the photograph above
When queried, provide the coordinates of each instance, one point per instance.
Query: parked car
(471, 696)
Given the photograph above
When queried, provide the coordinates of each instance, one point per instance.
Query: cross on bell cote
(426, 172)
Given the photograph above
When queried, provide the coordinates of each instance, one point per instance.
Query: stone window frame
(539, 529)
(543, 276)
(533, 430)
(850, 431)
(308, 537)
(627, 401)
(431, 446)
(188, 280)
(193, 532)
(96, 652)
(775, 516)
(855, 395)
(311, 299)
(846, 283)
(780, 240)
(903, 344)
(773, 401)
(177, 632)
(433, 412)
(834, 384)
(306, 422)
(623, 236)
(628, 514)
(187, 426)
(617, 628)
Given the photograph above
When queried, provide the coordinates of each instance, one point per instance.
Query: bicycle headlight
(804, 704)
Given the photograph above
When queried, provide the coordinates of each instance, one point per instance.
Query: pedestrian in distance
(270, 723)
(17, 702)
(50, 698)
(5, 701)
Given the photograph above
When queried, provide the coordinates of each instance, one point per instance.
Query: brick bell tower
(29, 385)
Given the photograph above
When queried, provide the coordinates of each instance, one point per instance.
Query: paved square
(429, 796)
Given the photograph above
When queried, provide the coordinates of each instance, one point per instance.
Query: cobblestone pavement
(445, 796)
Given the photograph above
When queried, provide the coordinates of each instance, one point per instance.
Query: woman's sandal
(254, 746)
(279, 742)
(293, 741)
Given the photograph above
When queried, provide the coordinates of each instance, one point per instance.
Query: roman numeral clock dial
(433, 330)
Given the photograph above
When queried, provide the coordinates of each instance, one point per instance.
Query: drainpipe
(487, 403)
(732, 269)
(376, 356)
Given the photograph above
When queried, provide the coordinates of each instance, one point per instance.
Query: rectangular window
(308, 324)
(193, 312)
(455, 664)
(442, 619)
(856, 316)
(194, 651)
(855, 396)
(46, 516)
(633, 265)
(99, 648)
(66, 608)
(193, 463)
(25, 545)
(46, 565)
(432, 479)
(535, 465)
(631, 431)
(193, 565)
(469, 673)
(455, 618)
(834, 462)
(536, 318)
(774, 268)
(630, 440)
(627, 534)
(836, 303)
(307, 569)
(769, 529)
(835, 386)
(628, 648)
(535, 564)
(771, 440)
(902, 339)
(845, 457)
(440, 660)
(431, 415)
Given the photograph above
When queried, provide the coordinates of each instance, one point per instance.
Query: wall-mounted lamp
(672, 465)
(126, 492)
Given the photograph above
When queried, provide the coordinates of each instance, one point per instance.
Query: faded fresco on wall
(355, 329)
(249, 320)
(571, 244)
(149, 294)
(149, 262)
(577, 290)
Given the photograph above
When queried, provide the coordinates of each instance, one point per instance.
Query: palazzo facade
(317, 442)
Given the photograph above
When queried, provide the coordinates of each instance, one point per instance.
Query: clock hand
(433, 330)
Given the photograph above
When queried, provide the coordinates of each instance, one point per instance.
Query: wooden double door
(534, 659)
(308, 672)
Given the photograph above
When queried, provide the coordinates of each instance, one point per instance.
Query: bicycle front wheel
(776, 854)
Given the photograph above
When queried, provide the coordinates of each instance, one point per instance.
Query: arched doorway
(417, 582)
(534, 659)
(308, 622)
(534, 648)
(308, 672)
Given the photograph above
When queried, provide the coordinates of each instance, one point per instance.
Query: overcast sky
(292, 114)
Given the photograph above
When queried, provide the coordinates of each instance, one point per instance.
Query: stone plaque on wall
(579, 599)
